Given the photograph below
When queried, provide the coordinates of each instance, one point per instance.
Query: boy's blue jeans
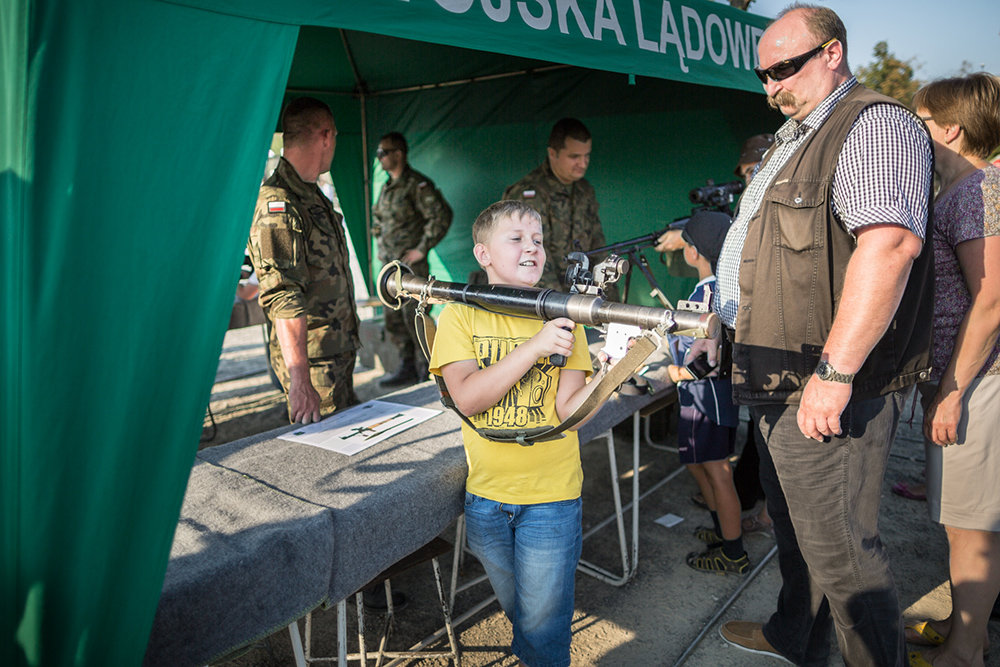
(530, 553)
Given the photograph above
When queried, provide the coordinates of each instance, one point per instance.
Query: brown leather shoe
(749, 636)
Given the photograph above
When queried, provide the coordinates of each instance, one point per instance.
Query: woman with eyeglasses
(962, 401)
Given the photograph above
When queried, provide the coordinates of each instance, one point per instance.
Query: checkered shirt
(883, 175)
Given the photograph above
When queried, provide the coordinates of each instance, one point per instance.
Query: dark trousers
(746, 474)
(824, 500)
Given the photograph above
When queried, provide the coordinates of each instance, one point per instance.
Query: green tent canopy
(134, 139)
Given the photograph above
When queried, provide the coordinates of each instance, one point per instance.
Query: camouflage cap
(753, 150)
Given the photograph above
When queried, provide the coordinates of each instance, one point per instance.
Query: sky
(937, 35)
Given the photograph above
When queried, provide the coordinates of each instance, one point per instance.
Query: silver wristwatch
(827, 372)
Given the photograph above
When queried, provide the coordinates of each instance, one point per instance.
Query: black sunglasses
(382, 152)
(786, 68)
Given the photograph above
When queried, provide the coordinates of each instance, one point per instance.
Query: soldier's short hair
(567, 127)
(397, 140)
(487, 221)
(971, 102)
(301, 118)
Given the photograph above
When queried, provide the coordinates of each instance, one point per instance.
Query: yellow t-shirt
(502, 471)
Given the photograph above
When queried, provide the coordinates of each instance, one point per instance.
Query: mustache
(782, 99)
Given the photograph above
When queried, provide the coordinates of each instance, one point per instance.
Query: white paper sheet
(669, 520)
(361, 426)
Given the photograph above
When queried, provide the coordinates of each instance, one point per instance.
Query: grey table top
(386, 501)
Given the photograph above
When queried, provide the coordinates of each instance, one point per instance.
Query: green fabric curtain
(14, 52)
(132, 149)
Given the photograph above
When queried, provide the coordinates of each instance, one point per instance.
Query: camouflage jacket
(569, 214)
(299, 250)
(410, 214)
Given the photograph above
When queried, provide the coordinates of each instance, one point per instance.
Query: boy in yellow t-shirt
(522, 504)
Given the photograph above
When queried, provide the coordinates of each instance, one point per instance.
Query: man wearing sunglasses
(824, 287)
(410, 217)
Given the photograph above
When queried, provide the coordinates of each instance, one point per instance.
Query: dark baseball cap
(753, 150)
(706, 231)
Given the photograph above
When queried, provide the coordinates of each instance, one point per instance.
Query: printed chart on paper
(361, 426)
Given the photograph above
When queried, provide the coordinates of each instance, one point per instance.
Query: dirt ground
(667, 614)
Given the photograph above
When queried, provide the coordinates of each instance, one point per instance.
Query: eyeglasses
(382, 152)
(925, 118)
(787, 68)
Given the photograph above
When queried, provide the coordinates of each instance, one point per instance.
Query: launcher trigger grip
(559, 360)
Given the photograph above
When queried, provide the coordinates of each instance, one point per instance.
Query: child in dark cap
(706, 432)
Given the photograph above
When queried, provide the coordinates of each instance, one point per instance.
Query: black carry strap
(601, 389)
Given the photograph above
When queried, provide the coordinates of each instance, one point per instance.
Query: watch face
(824, 371)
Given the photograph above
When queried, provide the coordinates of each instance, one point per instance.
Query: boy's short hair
(706, 231)
(487, 221)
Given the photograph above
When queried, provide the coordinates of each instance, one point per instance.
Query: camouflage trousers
(399, 324)
(332, 378)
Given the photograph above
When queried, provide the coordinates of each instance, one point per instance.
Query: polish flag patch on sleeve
(528, 194)
(275, 207)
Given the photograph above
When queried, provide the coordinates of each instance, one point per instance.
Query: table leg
(342, 633)
(635, 494)
(628, 570)
(300, 658)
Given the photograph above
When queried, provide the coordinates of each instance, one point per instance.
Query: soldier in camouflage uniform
(564, 199)
(410, 217)
(299, 250)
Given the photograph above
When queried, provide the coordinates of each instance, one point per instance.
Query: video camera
(711, 197)
(716, 196)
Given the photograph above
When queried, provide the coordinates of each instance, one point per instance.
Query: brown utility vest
(794, 260)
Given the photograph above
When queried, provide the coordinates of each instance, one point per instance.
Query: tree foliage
(968, 68)
(889, 75)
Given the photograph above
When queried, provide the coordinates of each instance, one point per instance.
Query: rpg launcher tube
(396, 283)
